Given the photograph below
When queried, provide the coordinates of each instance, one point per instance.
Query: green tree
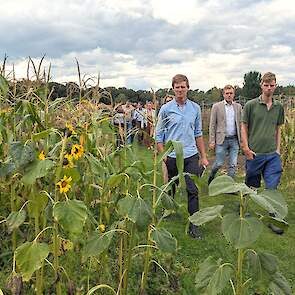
(251, 88)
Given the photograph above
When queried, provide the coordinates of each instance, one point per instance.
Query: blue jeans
(230, 146)
(269, 166)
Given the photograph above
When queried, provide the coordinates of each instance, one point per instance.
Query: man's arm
(212, 127)
(278, 139)
(244, 145)
(201, 149)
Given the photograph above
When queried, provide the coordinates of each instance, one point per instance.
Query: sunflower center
(64, 183)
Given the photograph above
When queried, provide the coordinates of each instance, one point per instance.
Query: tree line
(250, 89)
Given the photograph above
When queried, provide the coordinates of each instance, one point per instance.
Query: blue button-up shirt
(180, 123)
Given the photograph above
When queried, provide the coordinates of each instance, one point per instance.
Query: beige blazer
(217, 127)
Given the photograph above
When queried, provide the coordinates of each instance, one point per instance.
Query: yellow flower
(102, 228)
(77, 151)
(68, 161)
(71, 128)
(42, 156)
(64, 184)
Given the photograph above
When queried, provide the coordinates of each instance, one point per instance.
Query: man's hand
(211, 146)
(249, 154)
(204, 162)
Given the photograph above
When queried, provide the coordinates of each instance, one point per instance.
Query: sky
(142, 44)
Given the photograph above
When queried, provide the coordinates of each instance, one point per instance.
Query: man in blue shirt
(180, 120)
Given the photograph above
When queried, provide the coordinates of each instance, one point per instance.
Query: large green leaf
(43, 134)
(164, 240)
(124, 207)
(262, 266)
(226, 185)
(22, 154)
(205, 215)
(241, 232)
(29, 257)
(37, 170)
(168, 202)
(212, 277)
(279, 285)
(71, 215)
(137, 210)
(37, 204)
(6, 168)
(15, 219)
(97, 243)
(272, 201)
(115, 180)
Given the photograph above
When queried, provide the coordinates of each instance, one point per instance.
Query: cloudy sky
(141, 44)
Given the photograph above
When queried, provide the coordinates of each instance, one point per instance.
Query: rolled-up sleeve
(198, 123)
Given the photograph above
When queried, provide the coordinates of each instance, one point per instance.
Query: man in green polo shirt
(261, 137)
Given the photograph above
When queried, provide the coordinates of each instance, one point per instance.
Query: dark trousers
(191, 165)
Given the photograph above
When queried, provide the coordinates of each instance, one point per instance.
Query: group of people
(255, 129)
(137, 119)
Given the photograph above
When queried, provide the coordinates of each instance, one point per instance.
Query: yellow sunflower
(68, 161)
(102, 228)
(64, 184)
(42, 156)
(77, 151)
(71, 128)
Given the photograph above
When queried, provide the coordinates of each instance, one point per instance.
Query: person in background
(128, 116)
(180, 120)
(118, 120)
(225, 132)
(149, 123)
(139, 118)
(261, 138)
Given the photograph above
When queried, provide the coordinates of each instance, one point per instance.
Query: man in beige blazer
(225, 132)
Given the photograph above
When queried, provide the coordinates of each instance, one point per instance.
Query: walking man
(261, 138)
(180, 120)
(225, 132)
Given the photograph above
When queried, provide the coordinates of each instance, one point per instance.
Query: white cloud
(143, 43)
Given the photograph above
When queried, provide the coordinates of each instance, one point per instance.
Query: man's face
(180, 89)
(228, 95)
(268, 88)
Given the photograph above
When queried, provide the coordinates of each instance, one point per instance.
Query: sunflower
(102, 228)
(71, 129)
(42, 156)
(77, 151)
(68, 161)
(64, 184)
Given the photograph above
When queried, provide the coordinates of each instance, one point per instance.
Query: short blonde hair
(268, 77)
(228, 86)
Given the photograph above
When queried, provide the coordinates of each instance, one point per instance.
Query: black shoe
(194, 232)
(276, 229)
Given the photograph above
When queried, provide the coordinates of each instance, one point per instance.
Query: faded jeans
(229, 147)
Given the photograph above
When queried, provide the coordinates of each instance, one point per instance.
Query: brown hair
(268, 77)
(228, 86)
(180, 78)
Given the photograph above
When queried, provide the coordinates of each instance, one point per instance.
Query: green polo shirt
(262, 124)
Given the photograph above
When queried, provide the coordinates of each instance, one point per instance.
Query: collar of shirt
(226, 103)
(181, 106)
(261, 101)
